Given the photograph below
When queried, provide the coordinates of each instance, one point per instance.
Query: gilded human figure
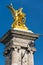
(19, 18)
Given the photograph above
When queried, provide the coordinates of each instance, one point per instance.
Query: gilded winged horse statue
(19, 18)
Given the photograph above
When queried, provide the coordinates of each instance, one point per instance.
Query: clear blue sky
(34, 15)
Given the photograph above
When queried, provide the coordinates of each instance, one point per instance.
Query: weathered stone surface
(20, 42)
(19, 47)
(19, 34)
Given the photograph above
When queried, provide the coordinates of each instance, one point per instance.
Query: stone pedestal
(19, 47)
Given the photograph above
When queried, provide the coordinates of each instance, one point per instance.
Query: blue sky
(34, 16)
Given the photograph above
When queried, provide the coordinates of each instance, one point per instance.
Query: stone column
(19, 50)
(25, 59)
(30, 58)
(7, 61)
(8, 58)
(16, 57)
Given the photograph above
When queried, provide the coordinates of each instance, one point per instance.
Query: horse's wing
(11, 9)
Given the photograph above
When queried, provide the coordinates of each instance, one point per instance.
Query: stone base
(19, 47)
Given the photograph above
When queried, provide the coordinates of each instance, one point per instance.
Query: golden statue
(19, 18)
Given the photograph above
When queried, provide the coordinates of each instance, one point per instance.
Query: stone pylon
(19, 47)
